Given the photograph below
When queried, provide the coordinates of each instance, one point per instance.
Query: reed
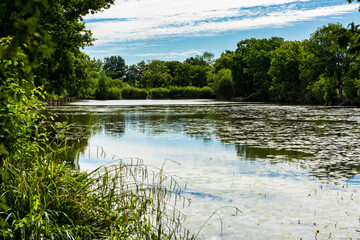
(133, 93)
(188, 92)
(51, 201)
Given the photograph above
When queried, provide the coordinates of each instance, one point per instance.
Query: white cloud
(165, 8)
(153, 19)
(169, 55)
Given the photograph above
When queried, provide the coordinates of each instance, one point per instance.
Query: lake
(291, 171)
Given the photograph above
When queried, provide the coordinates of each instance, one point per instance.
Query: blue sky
(177, 29)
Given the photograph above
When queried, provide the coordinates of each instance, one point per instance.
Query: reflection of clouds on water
(266, 160)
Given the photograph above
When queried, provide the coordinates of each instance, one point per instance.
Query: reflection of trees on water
(323, 140)
(253, 153)
(329, 171)
(81, 125)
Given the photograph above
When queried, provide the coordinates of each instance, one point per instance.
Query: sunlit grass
(51, 201)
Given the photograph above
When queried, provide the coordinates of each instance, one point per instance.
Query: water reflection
(291, 170)
(324, 140)
(254, 153)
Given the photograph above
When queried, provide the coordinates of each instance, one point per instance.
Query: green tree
(208, 58)
(183, 75)
(102, 89)
(202, 60)
(172, 65)
(312, 66)
(285, 73)
(250, 67)
(323, 58)
(198, 75)
(132, 75)
(157, 74)
(141, 69)
(340, 61)
(221, 83)
(187, 74)
(115, 67)
(61, 24)
(225, 61)
(348, 39)
(352, 84)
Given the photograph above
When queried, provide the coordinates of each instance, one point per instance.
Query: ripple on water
(293, 171)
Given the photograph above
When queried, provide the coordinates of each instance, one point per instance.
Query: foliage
(50, 201)
(222, 83)
(115, 93)
(250, 67)
(187, 74)
(117, 83)
(348, 39)
(156, 74)
(208, 57)
(310, 71)
(133, 75)
(207, 93)
(316, 91)
(115, 67)
(133, 93)
(183, 75)
(172, 65)
(17, 120)
(225, 61)
(188, 92)
(102, 89)
(56, 30)
(284, 70)
(321, 57)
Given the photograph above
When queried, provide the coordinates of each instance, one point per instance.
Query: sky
(169, 30)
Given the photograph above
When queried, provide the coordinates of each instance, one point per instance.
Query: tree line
(318, 70)
(323, 69)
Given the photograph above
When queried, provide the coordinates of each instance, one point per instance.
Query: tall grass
(51, 201)
(134, 93)
(115, 93)
(127, 92)
(171, 92)
(188, 92)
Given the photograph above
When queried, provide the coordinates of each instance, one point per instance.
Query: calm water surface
(292, 171)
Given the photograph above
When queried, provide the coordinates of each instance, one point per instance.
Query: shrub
(189, 92)
(159, 93)
(133, 93)
(115, 93)
(207, 92)
(222, 83)
(225, 88)
(102, 90)
(117, 83)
